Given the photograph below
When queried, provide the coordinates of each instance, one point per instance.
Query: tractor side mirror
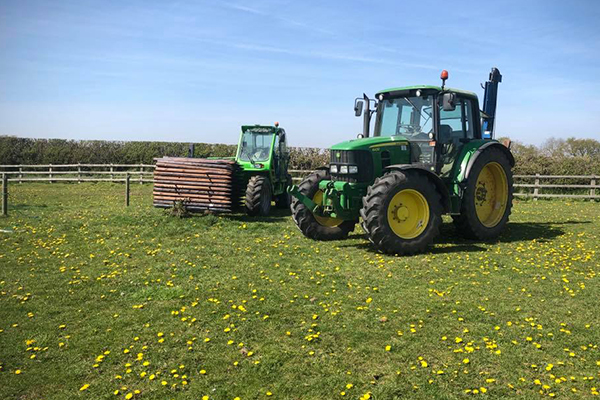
(448, 102)
(358, 107)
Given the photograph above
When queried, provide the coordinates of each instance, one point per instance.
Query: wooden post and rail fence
(527, 186)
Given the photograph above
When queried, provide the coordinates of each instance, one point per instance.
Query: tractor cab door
(280, 156)
(455, 128)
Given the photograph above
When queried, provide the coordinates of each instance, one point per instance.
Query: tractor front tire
(488, 196)
(284, 199)
(258, 196)
(402, 212)
(314, 226)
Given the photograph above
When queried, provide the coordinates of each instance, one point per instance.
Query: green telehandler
(432, 152)
(256, 176)
(264, 158)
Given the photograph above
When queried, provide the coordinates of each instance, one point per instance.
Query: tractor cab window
(276, 147)
(407, 116)
(282, 145)
(255, 146)
(451, 124)
(457, 124)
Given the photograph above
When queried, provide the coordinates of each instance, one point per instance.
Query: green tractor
(264, 158)
(432, 152)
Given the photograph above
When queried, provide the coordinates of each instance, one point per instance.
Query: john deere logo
(338, 155)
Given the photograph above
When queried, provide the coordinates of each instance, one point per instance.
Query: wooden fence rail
(141, 173)
(537, 186)
(525, 186)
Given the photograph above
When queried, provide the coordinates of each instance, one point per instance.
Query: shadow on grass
(542, 231)
(275, 215)
(449, 241)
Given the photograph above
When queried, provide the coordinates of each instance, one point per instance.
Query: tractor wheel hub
(400, 213)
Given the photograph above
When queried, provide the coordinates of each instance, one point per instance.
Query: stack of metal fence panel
(201, 184)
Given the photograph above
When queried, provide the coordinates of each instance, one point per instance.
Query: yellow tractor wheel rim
(408, 213)
(325, 221)
(491, 194)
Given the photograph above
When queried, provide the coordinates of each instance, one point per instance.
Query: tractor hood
(367, 143)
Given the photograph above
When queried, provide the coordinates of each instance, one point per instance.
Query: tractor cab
(264, 158)
(435, 122)
(256, 144)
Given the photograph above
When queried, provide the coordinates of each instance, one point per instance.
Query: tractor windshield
(407, 116)
(255, 146)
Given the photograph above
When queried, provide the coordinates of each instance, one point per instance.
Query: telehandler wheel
(284, 199)
(314, 226)
(402, 212)
(258, 196)
(487, 200)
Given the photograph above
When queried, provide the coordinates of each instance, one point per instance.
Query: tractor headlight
(343, 169)
(353, 169)
(333, 169)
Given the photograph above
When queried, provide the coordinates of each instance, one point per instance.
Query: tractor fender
(439, 184)
(480, 150)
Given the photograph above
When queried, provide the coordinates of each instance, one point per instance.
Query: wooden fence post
(127, 189)
(20, 174)
(593, 189)
(78, 172)
(4, 195)
(112, 177)
(536, 188)
(141, 173)
(50, 170)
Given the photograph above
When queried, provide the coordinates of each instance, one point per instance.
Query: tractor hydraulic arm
(311, 205)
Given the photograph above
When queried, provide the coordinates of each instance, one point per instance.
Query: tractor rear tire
(313, 226)
(402, 212)
(284, 199)
(258, 196)
(488, 196)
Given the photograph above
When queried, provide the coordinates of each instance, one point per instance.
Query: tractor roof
(399, 90)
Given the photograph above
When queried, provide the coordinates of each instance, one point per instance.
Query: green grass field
(100, 301)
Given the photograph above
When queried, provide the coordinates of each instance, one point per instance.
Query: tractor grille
(360, 158)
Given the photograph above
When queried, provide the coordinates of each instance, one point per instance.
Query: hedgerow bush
(554, 157)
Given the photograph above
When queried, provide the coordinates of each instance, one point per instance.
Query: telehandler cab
(432, 152)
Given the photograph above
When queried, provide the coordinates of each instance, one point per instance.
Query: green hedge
(555, 157)
(14, 150)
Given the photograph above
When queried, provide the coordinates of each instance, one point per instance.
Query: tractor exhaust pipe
(490, 99)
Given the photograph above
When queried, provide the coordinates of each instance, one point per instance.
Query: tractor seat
(445, 133)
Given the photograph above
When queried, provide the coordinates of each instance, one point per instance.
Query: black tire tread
(374, 212)
(467, 222)
(254, 193)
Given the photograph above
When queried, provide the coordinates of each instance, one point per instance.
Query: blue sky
(197, 70)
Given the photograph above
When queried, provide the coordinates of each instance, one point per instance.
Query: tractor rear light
(333, 169)
(343, 169)
(353, 169)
